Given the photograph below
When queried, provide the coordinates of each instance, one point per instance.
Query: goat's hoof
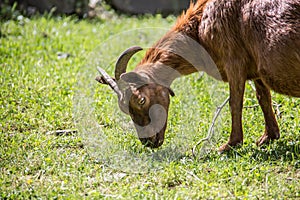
(266, 139)
(224, 148)
(227, 147)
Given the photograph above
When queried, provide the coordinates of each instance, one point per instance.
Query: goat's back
(263, 36)
(276, 32)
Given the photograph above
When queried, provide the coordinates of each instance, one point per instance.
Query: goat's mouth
(150, 136)
(152, 142)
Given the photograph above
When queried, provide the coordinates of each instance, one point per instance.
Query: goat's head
(145, 101)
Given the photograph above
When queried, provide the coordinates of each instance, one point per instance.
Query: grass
(47, 68)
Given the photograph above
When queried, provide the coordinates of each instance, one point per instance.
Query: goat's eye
(142, 101)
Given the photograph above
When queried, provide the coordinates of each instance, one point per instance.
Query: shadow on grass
(284, 150)
(280, 150)
(169, 154)
(277, 151)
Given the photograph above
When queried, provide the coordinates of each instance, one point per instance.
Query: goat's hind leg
(271, 127)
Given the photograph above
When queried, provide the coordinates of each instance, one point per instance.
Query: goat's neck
(159, 72)
(175, 55)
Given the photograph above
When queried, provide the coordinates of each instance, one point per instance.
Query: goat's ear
(134, 78)
(171, 92)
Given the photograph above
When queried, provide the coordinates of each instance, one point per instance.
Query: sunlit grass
(42, 91)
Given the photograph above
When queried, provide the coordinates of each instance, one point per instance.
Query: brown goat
(233, 41)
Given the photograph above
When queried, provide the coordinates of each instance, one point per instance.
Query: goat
(233, 41)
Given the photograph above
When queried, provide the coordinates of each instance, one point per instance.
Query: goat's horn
(122, 62)
(108, 80)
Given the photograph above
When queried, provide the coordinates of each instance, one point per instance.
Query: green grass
(41, 92)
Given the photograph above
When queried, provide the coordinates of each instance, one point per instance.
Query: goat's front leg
(237, 87)
(271, 127)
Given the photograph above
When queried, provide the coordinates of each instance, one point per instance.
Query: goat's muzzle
(152, 142)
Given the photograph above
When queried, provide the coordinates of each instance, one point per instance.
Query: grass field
(47, 71)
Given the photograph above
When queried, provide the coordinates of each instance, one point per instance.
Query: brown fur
(248, 40)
